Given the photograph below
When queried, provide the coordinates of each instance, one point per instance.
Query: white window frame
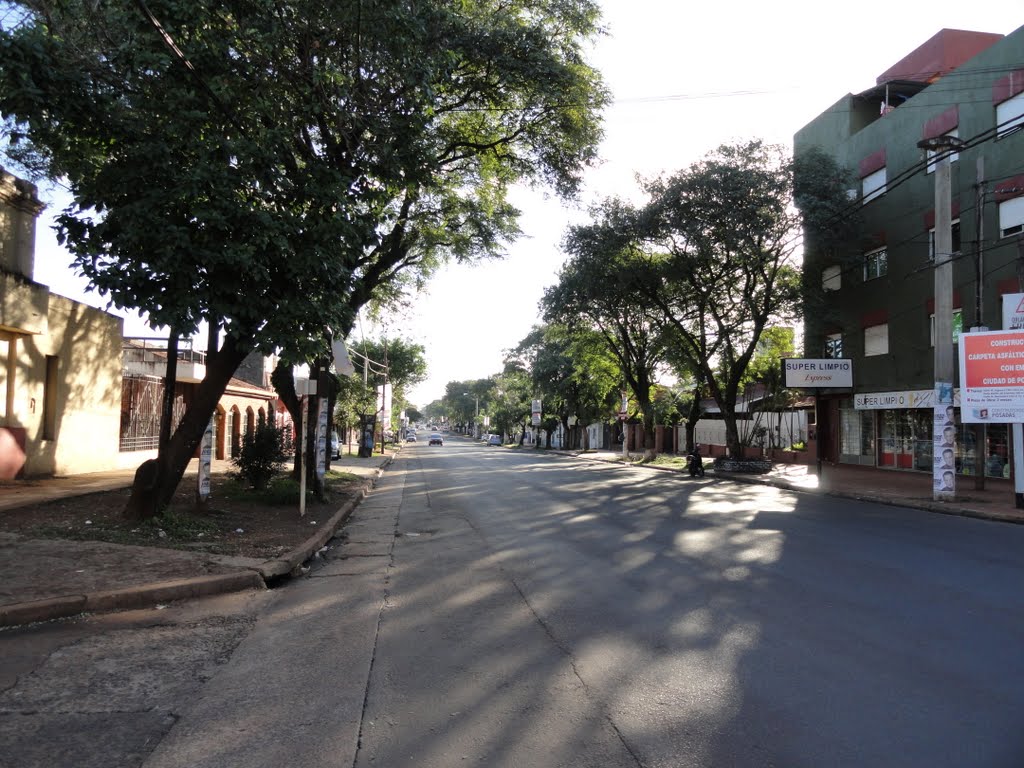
(876, 340)
(875, 267)
(832, 278)
(873, 185)
(955, 227)
(931, 154)
(1011, 216)
(1011, 112)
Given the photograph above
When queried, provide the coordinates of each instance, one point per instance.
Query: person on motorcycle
(696, 462)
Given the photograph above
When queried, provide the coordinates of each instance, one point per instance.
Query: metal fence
(141, 401)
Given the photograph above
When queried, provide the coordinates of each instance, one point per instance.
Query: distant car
(335, 446)
(411, 437)
(436, 439)
(494, 440)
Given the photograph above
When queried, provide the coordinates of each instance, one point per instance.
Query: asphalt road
(511, 608)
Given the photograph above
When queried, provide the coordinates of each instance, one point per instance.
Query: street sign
(801, 373)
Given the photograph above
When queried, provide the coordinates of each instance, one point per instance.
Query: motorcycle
(695, 463)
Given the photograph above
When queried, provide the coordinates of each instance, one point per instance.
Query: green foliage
(571, 368)
(295, 159)
(283, 164)
(261, 455)
(601, 289)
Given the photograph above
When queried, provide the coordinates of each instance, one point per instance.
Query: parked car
(494, 440)
(436, 439)
(335, 446)
(411, 437)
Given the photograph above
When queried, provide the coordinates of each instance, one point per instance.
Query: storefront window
(997, 450)
(906, 439)
(857, 434)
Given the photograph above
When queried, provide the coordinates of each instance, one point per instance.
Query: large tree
(731, 231)
(601, 288)
(271, 167)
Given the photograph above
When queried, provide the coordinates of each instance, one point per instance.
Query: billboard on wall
(992, 377)
(805, 372)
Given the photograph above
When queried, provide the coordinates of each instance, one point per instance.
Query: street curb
(148, 595)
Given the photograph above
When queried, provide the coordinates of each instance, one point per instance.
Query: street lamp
(476, 418)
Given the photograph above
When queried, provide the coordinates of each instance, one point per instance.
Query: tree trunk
(650, 451)
(283, 379)
(732, 434)
(156, 480)
(170, 384)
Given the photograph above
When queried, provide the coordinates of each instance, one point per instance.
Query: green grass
(283, 490)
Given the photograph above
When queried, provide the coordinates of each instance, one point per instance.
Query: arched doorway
(235, 431)
(219, 419)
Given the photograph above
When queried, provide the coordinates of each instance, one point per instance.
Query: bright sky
(685, 77)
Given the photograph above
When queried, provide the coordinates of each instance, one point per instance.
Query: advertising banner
(911, 398)
(992, 377)
(801, 373)
(1013, 320)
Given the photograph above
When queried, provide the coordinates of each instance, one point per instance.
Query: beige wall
(86, 397)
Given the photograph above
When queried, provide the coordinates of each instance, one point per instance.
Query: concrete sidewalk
(898, 488)
(42, 579)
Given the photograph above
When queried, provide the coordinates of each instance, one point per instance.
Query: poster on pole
(944, 441)
(321, 437)
(205, 462)
(992, 377)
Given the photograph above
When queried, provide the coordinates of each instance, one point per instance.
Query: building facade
(60, 360)
(874, 295)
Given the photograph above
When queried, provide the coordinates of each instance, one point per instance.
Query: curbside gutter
(149, 595)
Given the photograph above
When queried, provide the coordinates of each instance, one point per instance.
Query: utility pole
(943, 480)
(980, 430)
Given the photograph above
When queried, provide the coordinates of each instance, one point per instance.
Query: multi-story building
(877, 291)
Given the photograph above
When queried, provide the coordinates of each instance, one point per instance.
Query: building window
(997, 451)
(955, 231)
(50, 399)
(856, 434)
(1011, 216)
(876, 264)
(931, 155)
(876, 340)
(834, 346)
(873, 185)
(1010, 115)
(832, 278)
(958, 327)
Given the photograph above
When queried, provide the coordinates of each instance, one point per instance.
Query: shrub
(261, 456)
